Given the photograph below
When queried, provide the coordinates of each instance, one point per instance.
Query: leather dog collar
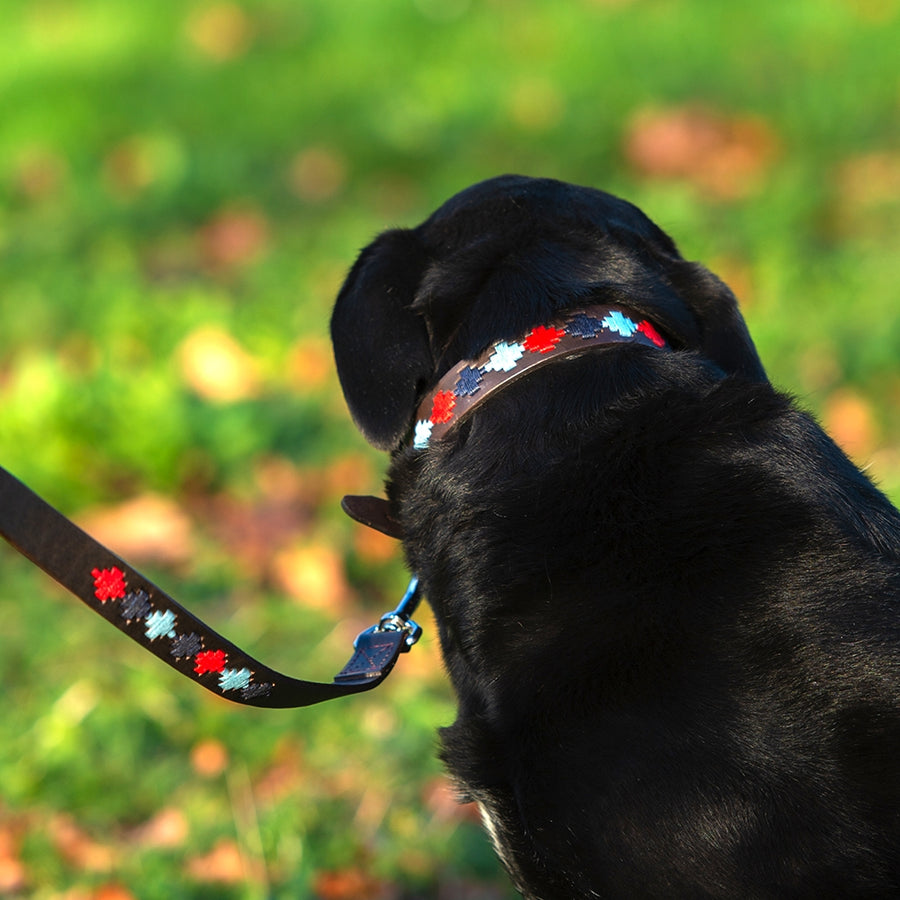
(472, 381)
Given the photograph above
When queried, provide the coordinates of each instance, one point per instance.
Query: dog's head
(492, 262)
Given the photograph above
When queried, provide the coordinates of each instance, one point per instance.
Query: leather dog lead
(136, 606)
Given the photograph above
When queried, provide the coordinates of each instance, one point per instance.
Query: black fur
(667, 602)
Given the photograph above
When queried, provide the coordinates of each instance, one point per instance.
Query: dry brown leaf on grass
(148, 528)
(867, 195)
(78, 848)
(221, 32)
(13, 876)
(284, 775)
(234, 238)
(725, 155)
(139, 161)
(850, 420)
(373, 547)
(350, 884)
(317, 174)
(209, 758)
(224, 864)
(348, 474)
(216, 367)
(254, 531)
(40, 173)
(313, 575)
(112, 892)
(167, 829)
(309, 365)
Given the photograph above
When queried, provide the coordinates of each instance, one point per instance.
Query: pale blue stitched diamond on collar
(504, 358)
(620, 323)
(422, 434)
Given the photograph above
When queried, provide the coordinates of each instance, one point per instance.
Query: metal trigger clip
(398, 619)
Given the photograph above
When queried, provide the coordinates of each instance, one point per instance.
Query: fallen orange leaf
(209, 758)
(148, 528)
(223, 864)
(348, 884)
(373, 546)
(12, 869)
(313, 574)
(166, 830)
(222, 32)
(215, 366)
(317, 174)
(112, 892)
(78, 848)
(724, 155)
(284, 775)
(849, 419)
(309, 365)
(234, 238)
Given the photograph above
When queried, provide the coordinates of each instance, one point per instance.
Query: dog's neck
(472, 381)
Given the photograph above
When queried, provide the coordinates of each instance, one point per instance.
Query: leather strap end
(375, 653)
(373, 512)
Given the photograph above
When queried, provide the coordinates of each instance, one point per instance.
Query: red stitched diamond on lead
(646, 329)
(210, 661)
(442, 408)
(109, 584)
(543, 338)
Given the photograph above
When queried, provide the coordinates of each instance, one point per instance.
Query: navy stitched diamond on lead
(186, 645)
(584, 326)
(469, 382)
(135, 605)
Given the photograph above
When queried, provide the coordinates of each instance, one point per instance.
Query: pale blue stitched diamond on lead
(504, 357)
(422, 434)
(161, 623)
(232, 679)
(620, 323)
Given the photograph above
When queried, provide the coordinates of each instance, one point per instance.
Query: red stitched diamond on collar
(442, 408)
(646, 329)
(543, 338)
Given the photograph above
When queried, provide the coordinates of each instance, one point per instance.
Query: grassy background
(182, 188)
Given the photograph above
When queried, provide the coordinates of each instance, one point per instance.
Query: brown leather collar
(575, 332)
(472, 381)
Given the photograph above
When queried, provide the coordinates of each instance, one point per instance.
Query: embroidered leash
(471, 382)
(148, 615)
(136, 606)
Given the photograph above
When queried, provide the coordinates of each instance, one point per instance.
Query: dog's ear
(724, 338)
(381, 346)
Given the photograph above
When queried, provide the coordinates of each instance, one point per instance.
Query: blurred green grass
(182, 188)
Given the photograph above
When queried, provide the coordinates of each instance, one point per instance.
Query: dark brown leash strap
(148, 615)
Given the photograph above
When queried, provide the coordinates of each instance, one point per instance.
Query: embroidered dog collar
(472, 381)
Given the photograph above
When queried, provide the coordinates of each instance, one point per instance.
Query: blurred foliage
(182, 188)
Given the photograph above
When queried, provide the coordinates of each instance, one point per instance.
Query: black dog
(668, 603)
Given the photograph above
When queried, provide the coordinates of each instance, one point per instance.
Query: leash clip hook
(399, 619)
